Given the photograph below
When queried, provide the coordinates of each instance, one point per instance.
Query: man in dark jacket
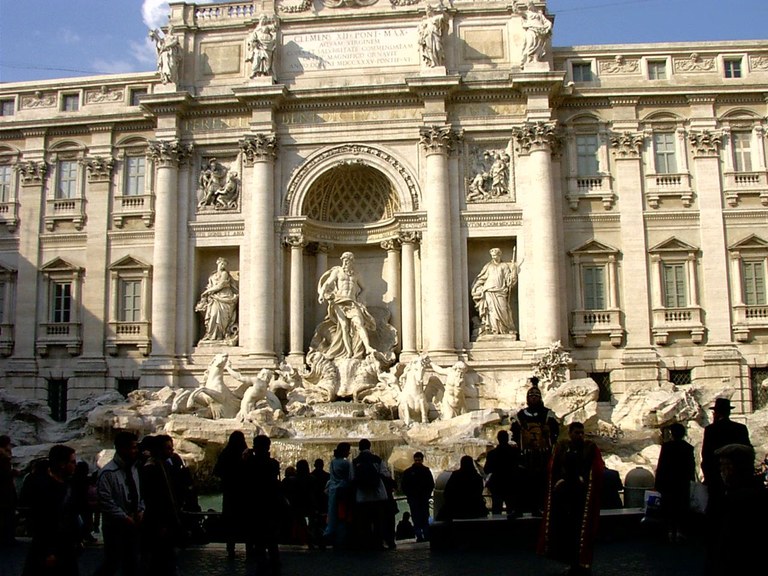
(503, 465)
(417, 485)
(721, 432)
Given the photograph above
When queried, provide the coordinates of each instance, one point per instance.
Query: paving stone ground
(630, 557)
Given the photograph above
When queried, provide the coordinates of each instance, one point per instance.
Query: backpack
(367, 473)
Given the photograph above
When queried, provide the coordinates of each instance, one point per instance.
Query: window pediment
(60, 266)
(129, 263)
(593, 248)
(673, 245)
(751, 242)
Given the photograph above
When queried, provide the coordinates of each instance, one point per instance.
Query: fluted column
(321, 265)
(392, 278)
(408, 291)
(167, 155)
(296, 244)
(536, 140)
(258, 276)
(437, 142)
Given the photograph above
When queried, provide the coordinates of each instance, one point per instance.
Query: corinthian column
(258, 276)
(408, 291)
(392, 278)
(296, 244)
(536, 141)
(437, 141)
(167, 156)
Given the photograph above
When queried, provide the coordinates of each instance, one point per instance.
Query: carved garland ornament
(758, 62)
(619, 65)
(705, 143)
(31, 172)
(259, 147)
(694, 64)
(350, 149)
(537, 136)
(99, 169)
(627, 144)
(169, 152)
(303, 6)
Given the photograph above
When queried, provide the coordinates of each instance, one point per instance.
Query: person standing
(721, 432)
(463, 495)
(320, 485)
(417, 485)
(229, 468)
(535, 430)
(339, 497)
(572, 505)
(502, 464)
(122, 507)
(674, 473)
(55, 527)
(371, 513)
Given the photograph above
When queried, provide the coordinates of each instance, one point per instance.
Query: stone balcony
(687, 320)
(66, 334)
(129, 334)
(748, 318)
(739, 184)
(659, 187)
(596, 187)
(6, 339)
(64, 210)
(586, 323)
(140, 206)
(9, 215)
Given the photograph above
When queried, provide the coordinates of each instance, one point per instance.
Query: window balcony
(597, 187)
(6, 339)
(9, 215)
(129, 334)
(678, 320)
(64, 210)
(586, 323)
(747, 318)
(738, 184)
(141, 206)
(65, 334)
(663, 186)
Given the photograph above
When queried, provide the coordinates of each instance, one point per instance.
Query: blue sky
(41, 39)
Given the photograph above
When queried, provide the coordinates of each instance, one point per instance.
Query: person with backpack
(368, 475)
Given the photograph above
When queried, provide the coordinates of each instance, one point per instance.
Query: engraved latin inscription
(349, 49)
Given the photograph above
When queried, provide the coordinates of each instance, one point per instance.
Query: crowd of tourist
(142, 499)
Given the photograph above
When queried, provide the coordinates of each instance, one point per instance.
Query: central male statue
(491, 293)
(341, 288)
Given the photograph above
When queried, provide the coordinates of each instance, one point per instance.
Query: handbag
(698, 497)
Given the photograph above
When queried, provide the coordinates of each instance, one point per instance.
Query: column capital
(294, 241)
(261, 147)
(393, 244)
(705, 142)
(32, 172)
(439, 139)
(627, 144)
(409, 237)
(169, 152)
(99, 168)
(533, 136)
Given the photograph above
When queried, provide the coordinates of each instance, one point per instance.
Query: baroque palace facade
(629, 183)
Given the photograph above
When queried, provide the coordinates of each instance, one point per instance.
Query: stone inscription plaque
(349, 49)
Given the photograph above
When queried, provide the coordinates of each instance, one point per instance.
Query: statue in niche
(491, 179)
(453, 402)
(219, 187)
(168, 48)
(433, 28)
(537, 29)
(492, 290)
(348, 320)
(500, 175)
(261, 46)
(219, 304)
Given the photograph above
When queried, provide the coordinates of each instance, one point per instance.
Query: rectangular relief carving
(220, 59)
(480, 44)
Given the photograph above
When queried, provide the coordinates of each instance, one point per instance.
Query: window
(136, 94)
(61, 305)
(732, 67)
(582, 71)
(6, 175)
(664, 152)
(127, 385)
(135, 170)
(66, 181)
(758, 378)
(57, 398)
(594, 287)
(603, 381)
(130, 301)
(680, 377)
(657, 69)
(586, 155)
(742, 151)
(754, 283)
(674, 285)
(70, 102)
(7, 107)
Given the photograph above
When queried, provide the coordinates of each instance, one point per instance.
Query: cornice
(676, 215)
(70, 238)
(587, 102)
(511, 218)
(593, 218)
(759, 215)
(9, 243)
(233, 110)
(120, 237)
(214, 229)
(359, 102)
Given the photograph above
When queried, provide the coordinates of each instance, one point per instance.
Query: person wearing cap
(535, 429)
(721, 432)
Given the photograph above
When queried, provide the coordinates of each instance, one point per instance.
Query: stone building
(629, 182)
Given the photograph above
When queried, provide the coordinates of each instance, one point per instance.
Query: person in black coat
(417, 485)
(463, 495)
(721, 432)
(674, 473)
(503, 465)
(230, 468)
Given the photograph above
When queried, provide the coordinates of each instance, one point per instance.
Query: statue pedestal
(539, 66)
(495, 346)
(434, 71)
(261, 81)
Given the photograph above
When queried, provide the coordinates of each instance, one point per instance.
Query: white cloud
(68, 36)
(143, 52)
(155, 12)
(112, 66)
